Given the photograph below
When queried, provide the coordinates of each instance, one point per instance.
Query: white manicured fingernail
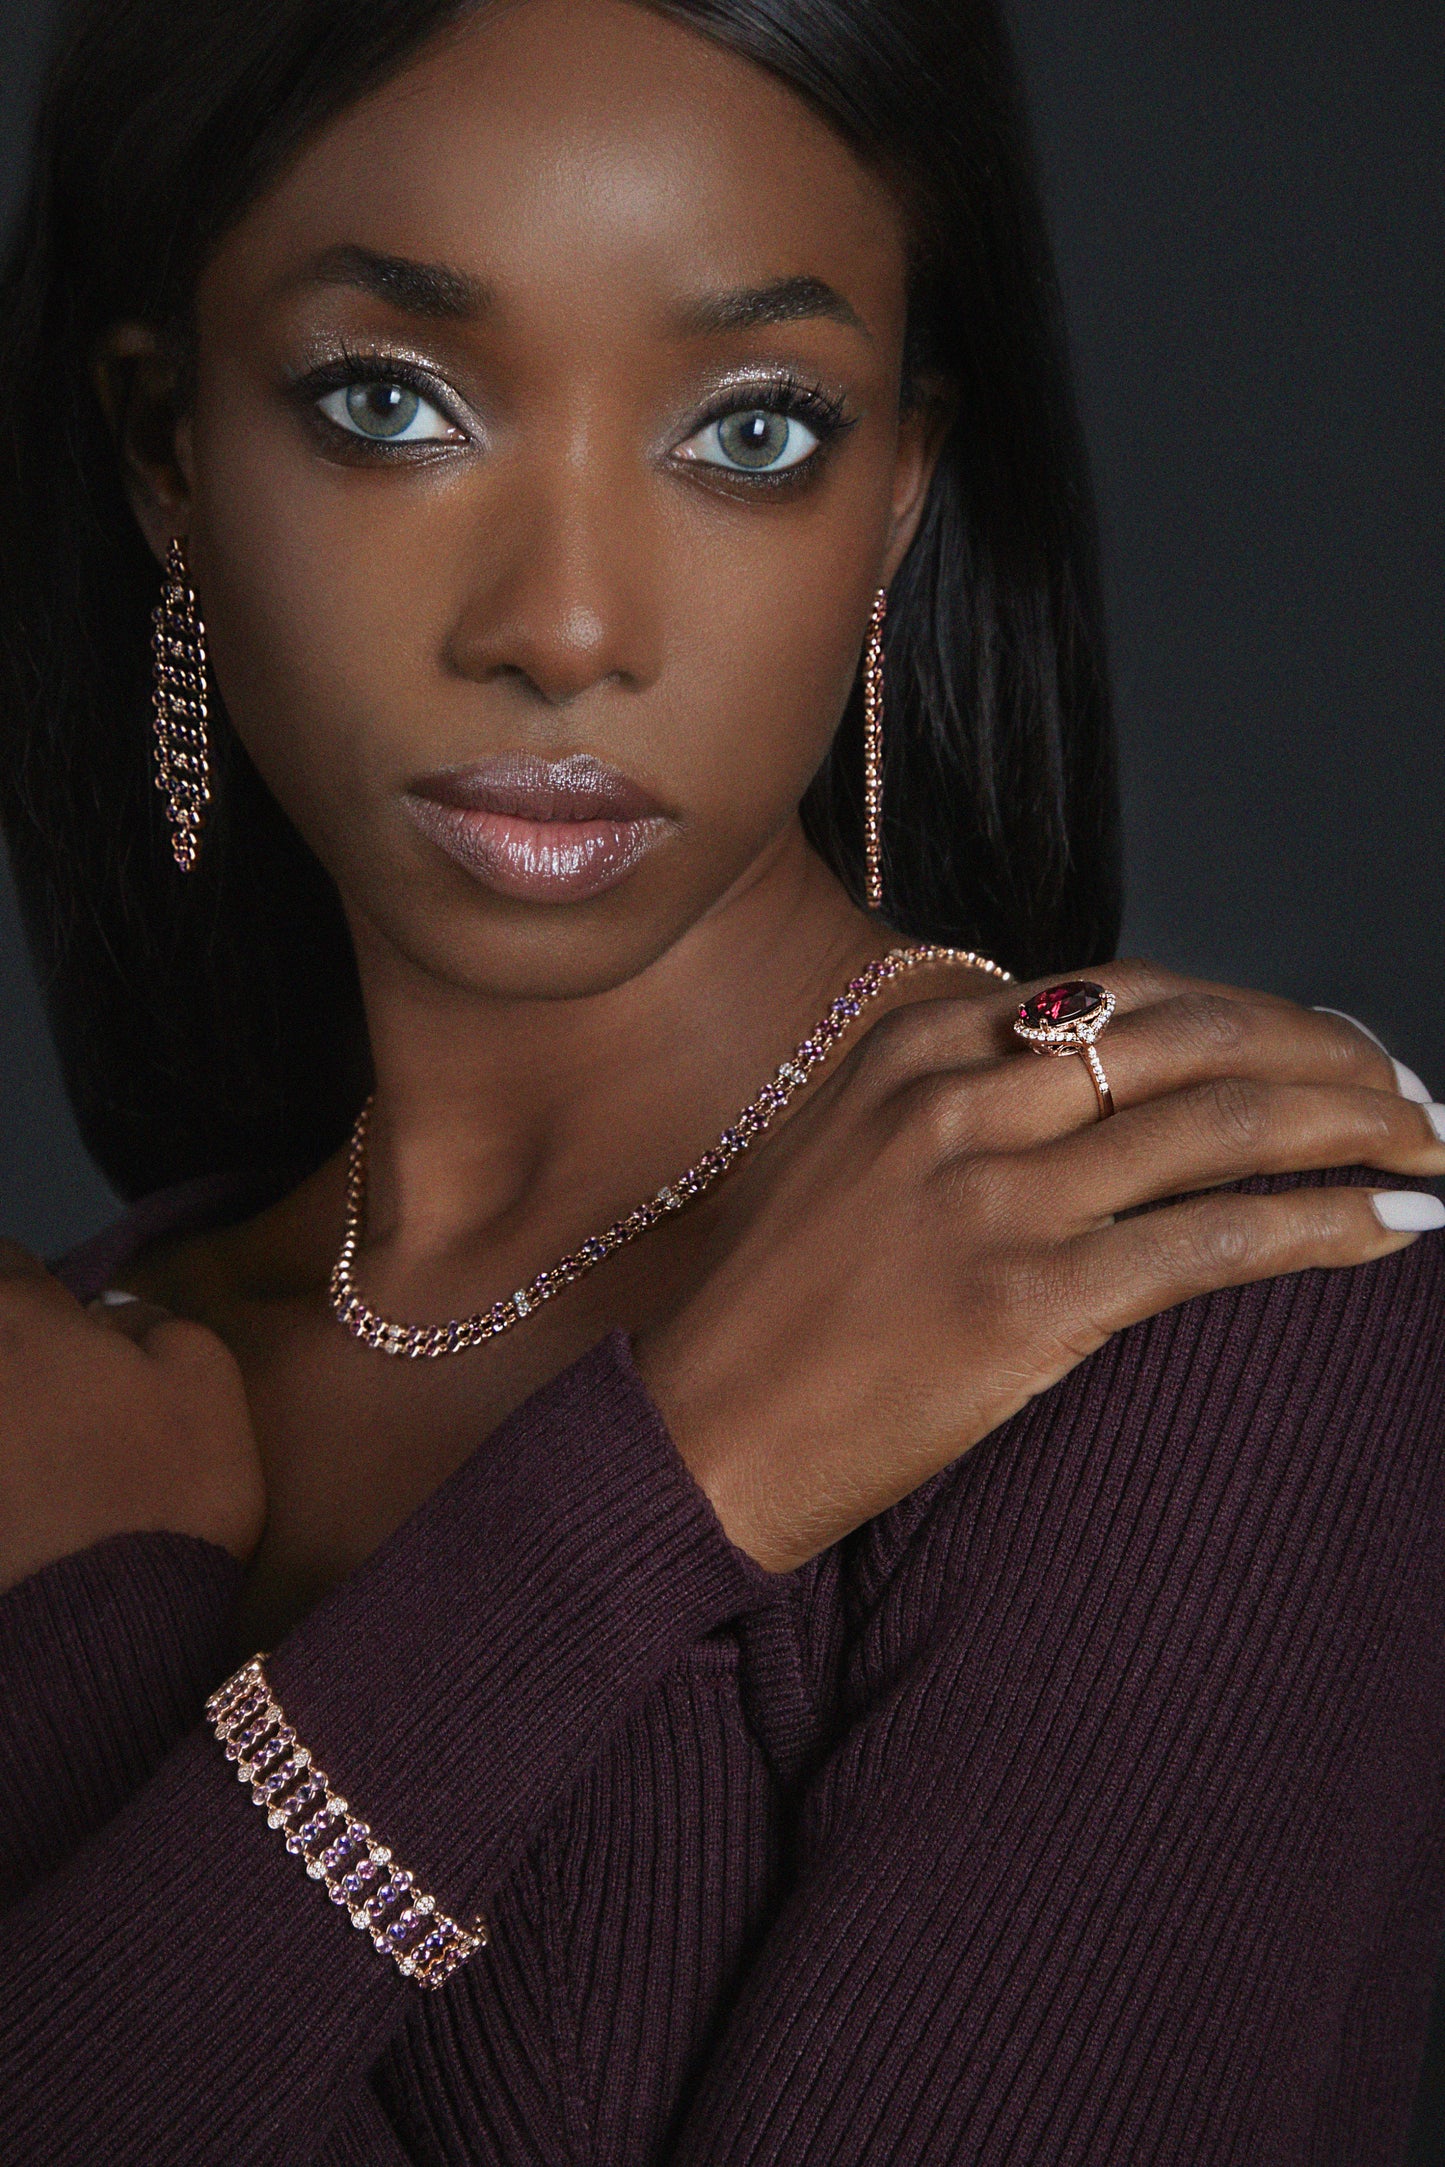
(1408, 1211)
(112, 1297)
(1321, 1011)
(1409, 1084)
(1435, 1115)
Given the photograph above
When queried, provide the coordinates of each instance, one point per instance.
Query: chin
(547, 952)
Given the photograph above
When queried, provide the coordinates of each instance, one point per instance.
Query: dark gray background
(1249, 204)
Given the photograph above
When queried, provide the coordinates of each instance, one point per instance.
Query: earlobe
(137, 382)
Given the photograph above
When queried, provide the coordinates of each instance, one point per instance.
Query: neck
(489, 1108)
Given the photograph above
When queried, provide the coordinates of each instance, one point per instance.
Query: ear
(922, 431)
(137, 379)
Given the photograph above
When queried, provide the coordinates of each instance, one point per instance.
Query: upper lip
(525, 786)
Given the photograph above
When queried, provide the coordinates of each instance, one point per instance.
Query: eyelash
(798, 400)
(348, 368)
(789, 395)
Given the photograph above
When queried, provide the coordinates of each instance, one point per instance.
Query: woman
(552, 421)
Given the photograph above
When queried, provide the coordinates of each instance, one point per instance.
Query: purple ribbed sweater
(1086, 1807)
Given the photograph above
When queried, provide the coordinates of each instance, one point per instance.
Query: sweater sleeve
(105, 1659)
(1132, 1843)
(189, 1993)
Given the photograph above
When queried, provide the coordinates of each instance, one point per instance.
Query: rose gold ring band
(1066, 1019)
(1101, 1081)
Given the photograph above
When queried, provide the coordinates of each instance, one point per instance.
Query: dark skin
(562, 562)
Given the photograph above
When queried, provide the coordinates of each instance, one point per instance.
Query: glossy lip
(539, 830)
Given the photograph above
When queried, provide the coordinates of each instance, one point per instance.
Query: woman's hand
(940, 1234)
(115, 1420)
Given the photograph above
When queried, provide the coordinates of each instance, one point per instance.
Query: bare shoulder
(282, 1252)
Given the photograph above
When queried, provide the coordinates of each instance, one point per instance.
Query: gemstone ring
(1067, 1019)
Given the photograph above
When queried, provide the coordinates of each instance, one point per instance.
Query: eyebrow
(783, 301)
(418, 289)
(435, 290)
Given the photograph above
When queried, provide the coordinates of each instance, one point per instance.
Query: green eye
(386, 411)
(382, 409)
(756, 439)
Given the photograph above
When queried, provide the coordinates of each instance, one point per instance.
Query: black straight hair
(213, 1023)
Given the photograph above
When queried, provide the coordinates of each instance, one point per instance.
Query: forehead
(574, 147)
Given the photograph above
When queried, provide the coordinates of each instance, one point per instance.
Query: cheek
(763, 652)
(316, 613)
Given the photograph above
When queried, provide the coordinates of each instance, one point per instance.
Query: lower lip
(537, 861)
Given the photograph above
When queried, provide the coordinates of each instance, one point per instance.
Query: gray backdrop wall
(1249, 203)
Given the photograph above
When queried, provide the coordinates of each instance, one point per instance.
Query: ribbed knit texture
(1084, 1808)
(104, 1659)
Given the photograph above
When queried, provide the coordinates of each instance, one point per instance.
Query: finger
(1182, 1027)
(1223, 1131)
(127, 1314)
(1126, 1272)
(1137, 983)
(1192, 1038)
(1196, 1036)
(25, 1279)
(178, 1343)
(1410, 1085)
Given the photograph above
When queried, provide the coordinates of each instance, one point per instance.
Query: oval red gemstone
(1068, 1003)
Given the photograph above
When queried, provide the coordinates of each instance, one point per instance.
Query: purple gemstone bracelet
(360, 1874)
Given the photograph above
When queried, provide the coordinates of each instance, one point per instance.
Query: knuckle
(1376, 1119)
(934, 1114)
(1352, 1053)
(1138, 982)
(879, 1053)
(1209, 1024)
(1217, 1245)
(902, 1041)
(1236, 1110)
(1339, 1051)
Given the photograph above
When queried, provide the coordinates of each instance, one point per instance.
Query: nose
(565, 594)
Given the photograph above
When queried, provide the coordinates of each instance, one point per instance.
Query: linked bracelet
(360, 1874)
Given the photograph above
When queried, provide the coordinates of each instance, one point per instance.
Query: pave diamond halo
(1066, 1019)
(1063, 1018)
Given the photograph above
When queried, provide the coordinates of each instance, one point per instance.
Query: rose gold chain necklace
(430, 1341)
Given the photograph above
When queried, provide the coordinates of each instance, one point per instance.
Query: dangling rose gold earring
(873, 750)
(182, 755)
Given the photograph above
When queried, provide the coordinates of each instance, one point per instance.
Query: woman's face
(544, 459)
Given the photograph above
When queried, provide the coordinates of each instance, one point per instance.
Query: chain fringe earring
(182, 754)
(873, 750)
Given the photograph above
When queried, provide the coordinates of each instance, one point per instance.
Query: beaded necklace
(428, 1342)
